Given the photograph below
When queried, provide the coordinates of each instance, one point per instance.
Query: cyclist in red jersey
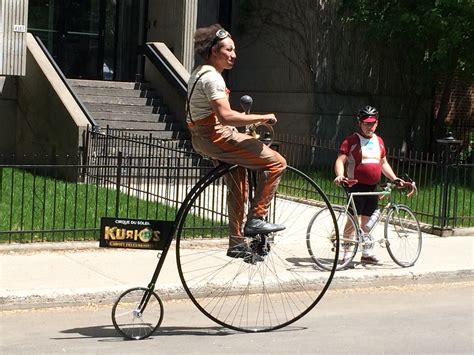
(362, 157)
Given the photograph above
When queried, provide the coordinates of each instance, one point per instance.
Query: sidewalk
(39, 275)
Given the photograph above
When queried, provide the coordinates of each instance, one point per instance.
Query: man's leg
(237, 200)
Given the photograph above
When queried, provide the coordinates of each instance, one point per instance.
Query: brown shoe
(371, 259)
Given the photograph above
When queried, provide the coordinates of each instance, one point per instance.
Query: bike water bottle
(373, 219)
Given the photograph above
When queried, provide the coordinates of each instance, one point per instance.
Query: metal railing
(445, 183)
(166, 68)
(144, 177)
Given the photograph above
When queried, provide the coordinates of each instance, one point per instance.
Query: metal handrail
(166, 69)
(58, 70)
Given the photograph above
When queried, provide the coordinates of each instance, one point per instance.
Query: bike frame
(351, 205)
(197, 188)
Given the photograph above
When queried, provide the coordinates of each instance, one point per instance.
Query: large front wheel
(274, 287)
(403, 235)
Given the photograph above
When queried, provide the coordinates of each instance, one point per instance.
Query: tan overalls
(226, 144)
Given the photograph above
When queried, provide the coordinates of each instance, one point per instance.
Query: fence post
(449, 147)
(118, 182)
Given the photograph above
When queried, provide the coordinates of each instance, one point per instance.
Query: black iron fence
(445, 198)
(127, 176)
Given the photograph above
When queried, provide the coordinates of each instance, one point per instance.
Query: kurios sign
(134, 233)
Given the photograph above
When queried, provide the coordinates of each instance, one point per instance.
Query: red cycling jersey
(364, 156)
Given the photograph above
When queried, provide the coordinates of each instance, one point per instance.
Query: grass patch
(42, 205)
(39, 208)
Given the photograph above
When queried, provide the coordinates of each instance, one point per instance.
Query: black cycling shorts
(365, 205)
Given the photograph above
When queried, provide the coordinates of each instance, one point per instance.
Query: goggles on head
(220, 35)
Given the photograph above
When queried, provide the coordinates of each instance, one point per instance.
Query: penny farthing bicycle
(270, 289)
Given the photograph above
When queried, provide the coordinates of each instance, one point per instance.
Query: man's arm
(388, 171)
(339, 168)
(230, 117)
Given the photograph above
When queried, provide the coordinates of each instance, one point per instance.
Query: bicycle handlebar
(411, 185)
(262, 131)
(388, 187)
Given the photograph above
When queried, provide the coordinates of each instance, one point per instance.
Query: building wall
(49, 121)
(315, 74)
(8, 107)
(174, 23)
(165, 22)
(311, 70)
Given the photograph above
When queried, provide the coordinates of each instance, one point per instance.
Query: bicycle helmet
(368, 114)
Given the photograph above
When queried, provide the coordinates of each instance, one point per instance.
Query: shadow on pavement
(108, 331)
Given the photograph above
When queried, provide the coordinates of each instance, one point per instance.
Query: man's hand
(339, 180)
(345, 181)
(399, 182)
(270, 119)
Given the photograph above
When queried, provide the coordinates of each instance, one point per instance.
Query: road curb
(64, 298)
(48, 247)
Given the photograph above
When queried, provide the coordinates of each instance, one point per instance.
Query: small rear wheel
(137, 313)
(321, 238)
(403, 236)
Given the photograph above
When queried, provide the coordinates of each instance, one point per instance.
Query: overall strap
(188, 101)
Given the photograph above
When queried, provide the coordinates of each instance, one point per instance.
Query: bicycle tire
(403, 236)
(320, 239)
(248, 295)
(129, 320)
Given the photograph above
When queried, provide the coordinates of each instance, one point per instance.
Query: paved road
(40, 274)
(417, 319)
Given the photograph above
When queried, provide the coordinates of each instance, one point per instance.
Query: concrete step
(133, 109)
(144, 159)
(117, 92)
(142, 125)
(139, 131)
(107, 84)
(129, 107)
(136, 117)
(130, 101)
(175, 145)
(166, 135)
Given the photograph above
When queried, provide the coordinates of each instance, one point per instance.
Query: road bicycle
(402, 234)
(270, 289)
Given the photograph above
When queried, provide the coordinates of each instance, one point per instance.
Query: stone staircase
(129, 107)
(140, 128)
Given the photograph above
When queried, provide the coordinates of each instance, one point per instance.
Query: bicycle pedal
(260, 245)
(253, 259)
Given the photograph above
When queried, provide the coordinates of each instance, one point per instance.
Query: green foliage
(437, 33)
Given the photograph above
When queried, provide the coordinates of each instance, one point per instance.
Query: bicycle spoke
(253, 295)
(403, 235)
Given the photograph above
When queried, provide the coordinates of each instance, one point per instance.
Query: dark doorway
(89, 39)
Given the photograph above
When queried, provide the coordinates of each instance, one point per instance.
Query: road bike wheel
(137, 313)
(403, 235)
(274, 287)
(321, 238)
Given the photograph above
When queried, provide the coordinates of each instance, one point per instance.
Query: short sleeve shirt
(365, 156)
(211, 86)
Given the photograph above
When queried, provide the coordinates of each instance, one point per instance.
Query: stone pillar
(190, 9)
(13, 26)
